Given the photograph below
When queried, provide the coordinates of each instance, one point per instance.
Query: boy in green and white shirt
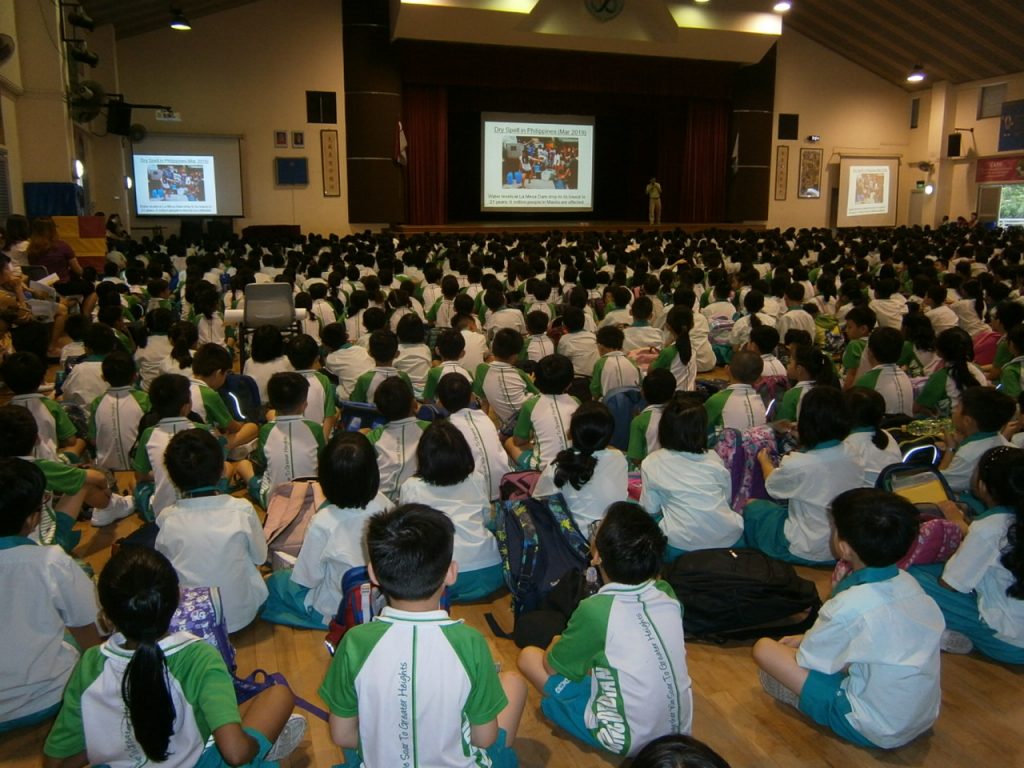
(383, 348)
(396, 441)
(659, 387)
(544, 420)
(738, 406)
(617, 677)
(415, 687)
(503, 386)
(613, 370)
(321, 400)
(24, 373)
(114, 417)
(860, 321)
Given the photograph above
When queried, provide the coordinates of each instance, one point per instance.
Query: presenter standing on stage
(654, 201)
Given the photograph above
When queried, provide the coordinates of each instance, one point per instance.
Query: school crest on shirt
(604, 10)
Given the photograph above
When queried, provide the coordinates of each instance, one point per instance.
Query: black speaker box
(953, 145)
(789, 127)
(119, 118)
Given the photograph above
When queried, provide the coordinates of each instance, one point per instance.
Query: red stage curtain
(426, 129)
(705, 162)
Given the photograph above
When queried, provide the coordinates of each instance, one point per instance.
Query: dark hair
(18, 431)
(23, 483)
(443, 456)
(182, 336)
(23, 372)
(937, 295)
(302, 351)
(684, 426)
(118, 368)
(658, 386)
(880, 526)
(956, 348)
(194, 459)
(383, 346)
(454, 392)
(450, 344)
(138, 591)
(823, 417)
(536, 322)
(765, 338)
(680, 321)
(816, 363)
(75, 327)
(553, 374)
(287, 391)
(209, 359)
(393, 398)
(677, 750)
(867, 409)
(591, 429)
(410, 548)
(168, 393)
(746, 366)
(630, 543)
(573, 319)
(989, 407)
(919, 331)
(157, 321)
(334, 335)
(348, 471)
(1010, 314)
(411, 329)
(1001, 469)
(886, 345)
(642, 308)
(99, 338)
(611, 337)
(862, 315)
(267, 344)
(507, 343)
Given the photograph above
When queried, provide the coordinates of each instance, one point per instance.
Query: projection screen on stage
(867, 191)
(536, 162)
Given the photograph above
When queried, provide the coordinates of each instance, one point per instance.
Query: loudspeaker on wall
(953, 145)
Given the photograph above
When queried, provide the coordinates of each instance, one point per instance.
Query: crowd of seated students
(580, 357)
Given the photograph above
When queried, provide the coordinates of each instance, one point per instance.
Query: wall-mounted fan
(86, 99)
(6, 48)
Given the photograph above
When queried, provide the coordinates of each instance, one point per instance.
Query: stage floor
(503, 227)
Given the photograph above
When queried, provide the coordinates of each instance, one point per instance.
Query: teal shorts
(824, 701)
(764, 529)
(34, 719)
(286, 603)
(525, 460)
(565, 704)
(212, 758)
(478, 584)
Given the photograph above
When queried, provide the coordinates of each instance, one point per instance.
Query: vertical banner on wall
(1011, 126)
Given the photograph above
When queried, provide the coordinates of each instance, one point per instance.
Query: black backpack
(741, 594)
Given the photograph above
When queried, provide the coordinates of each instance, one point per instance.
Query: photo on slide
(539, 162)
(176, 183)
(868, 191)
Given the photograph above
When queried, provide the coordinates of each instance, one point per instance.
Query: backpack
(728, 444)
(518, 485)
(201, 613)
(360, 602)
(720, 329)
(624, 403)
(741, 594)
(643, 357)
(241, 396)
(539, 543)
(290, 508)
(751, 485)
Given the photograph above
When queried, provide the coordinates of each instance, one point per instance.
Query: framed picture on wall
(280, 139)
(330, 159)
(298, 140)
(781, 171)
(809, 186)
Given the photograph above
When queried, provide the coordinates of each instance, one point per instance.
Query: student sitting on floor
(24, 373)
(321, 402)
(875, 447)
(688, 486)
(211, 365)
(451, 348)
(114, 417)
(869, 667)
(266, 357)
(542, 426)
(48, 593)
(885, 345)
(977, 421)
(613, 370)
(640, 334)
(396, 441)
(345, 361)
(859, 323)
(538, 343)
(383, 348)
(466, 714)
(738, 406)
(500, 384)
(809, 479)
(85, 382)
(679, 357)
(658, 388)
(309, 595)
(445, 480)
(414, 356)
(617, 676)
(944, 388)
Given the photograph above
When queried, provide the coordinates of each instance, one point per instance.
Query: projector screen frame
(858, 171)
(154, 144)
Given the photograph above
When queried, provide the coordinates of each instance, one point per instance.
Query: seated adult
(45, 249)
(27, 334)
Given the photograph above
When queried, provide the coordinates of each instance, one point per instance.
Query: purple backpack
(729, 447)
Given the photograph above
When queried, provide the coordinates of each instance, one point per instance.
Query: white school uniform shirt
(772, 367)
(796, 319)
(701, 344)
(45, 591)
(942, 318)
(959, 472)
(291, 446)
(85, 382)
(116, 415)
(810, 480)
(616, 317)
(539, 346)
(581, 348)
(324, 313)
(967, 317)
(641, 337)
(505, 388)
(743, 408)
(692, 491)
(489, 457)
(333, 544)
(148, 359)
(546, 418)
(976, 566)
(164, 491)
(348, 363)
(885, 634)
(740, 333)
(889, 312)
(261, 372)
(476, 350)
(69, 350)
(506, 317)
(465, 503)
(396, 443)
(48, 441)
(170, 365)
(217, 541)
(415, 360)
(894, 385)
(608, 484)
(617, 371)
(211, 329)
(719, 309)
(860, 444)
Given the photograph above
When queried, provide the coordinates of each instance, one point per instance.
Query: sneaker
(955, 642)
(777, 690)
(242, 451)
(118, 508)
(289, 738)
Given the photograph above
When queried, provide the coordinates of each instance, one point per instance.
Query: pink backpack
(290, 508)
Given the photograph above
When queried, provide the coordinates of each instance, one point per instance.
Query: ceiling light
(782, 6)
(178, 20)
(701, 1)
(916, 74)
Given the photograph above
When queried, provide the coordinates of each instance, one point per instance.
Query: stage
(528, 226)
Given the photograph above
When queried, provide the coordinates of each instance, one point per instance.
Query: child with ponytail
(808, 367)
(980, 589)
(944, 389)
(150, 695)
(183, 336)
(678, 357)
(875, 447)
(589, 474)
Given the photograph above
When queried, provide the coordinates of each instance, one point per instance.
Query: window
(915, 111)
(990, 101)
(321, 107)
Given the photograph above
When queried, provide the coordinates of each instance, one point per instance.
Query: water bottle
(592, 584)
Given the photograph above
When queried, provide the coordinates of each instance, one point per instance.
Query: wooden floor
(982, 720)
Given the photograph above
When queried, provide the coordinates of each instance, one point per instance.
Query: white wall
(854, 112)
(246, 72)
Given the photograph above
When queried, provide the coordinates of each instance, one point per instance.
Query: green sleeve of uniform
(868, 380)
(93, 407)
(216, 411)
(665, 358)
(140, 462)
(595, 379)
(142, 399)
(714, 405)
(339, 687)
(361, 388)
(432, 312)
(1003, 355)
(907, 356)
(1010, 380)
(934, 390)
(405, 377)
(486, 696)
(62, 478)
(790, 400)
(330, 396)
(852, 353)
(581, 644)
(206, 683)
(524, 422)
(65, 428)
(374, 435)
(637, 450)
(433, 377)
(478, 380)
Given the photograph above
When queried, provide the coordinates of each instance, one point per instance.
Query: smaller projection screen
(868, 191)
(536, 163)
(181, 175)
